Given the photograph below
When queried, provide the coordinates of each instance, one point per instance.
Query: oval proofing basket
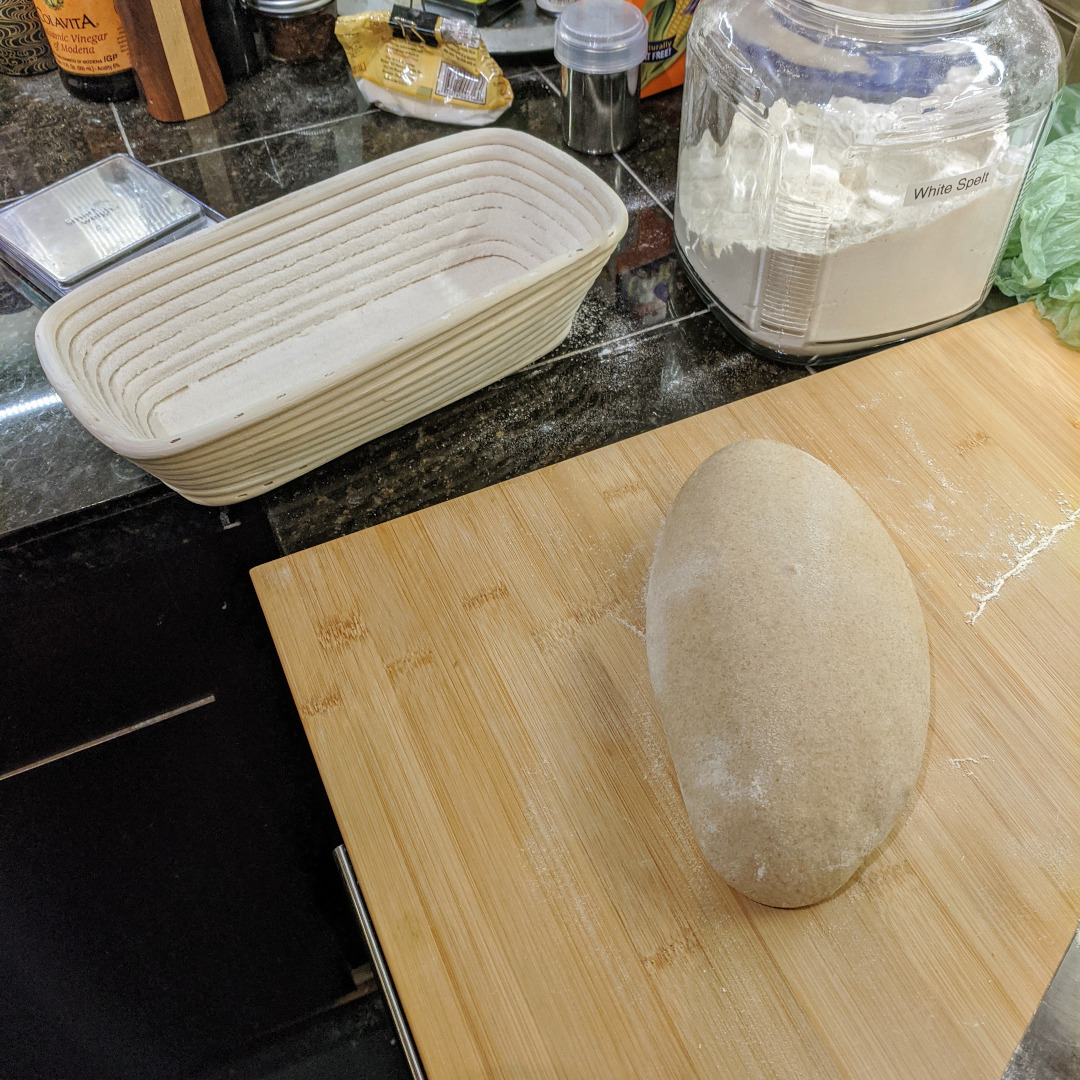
(232, 361)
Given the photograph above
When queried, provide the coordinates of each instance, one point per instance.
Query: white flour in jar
(845, 222)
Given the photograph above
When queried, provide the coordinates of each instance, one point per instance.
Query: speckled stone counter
(642, 350)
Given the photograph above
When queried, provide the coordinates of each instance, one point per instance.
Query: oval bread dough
(788, 658)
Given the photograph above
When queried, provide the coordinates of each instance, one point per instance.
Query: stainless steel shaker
(601, 45)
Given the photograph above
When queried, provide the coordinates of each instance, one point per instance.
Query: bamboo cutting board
(473, 683)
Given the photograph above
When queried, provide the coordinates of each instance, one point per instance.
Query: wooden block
(472, 680)
(172, 57)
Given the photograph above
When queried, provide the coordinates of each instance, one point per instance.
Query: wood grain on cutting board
(473, 683)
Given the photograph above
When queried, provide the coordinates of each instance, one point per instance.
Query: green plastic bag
(1067, 113)
(1042, 256)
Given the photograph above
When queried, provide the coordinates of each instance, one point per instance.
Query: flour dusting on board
(938, 473)
(629, 626)
(659, 772)
(1054, 852)
(1026, 550)
(962, 763)
(630, 610)
(546, 847)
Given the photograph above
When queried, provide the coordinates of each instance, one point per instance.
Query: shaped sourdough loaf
(788, 658)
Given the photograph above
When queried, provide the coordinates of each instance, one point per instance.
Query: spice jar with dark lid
(297, 31)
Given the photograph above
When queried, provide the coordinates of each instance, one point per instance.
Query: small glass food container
(849, 171)
(67, 233)
(297, 31)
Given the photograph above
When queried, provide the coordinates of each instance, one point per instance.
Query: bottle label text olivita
(86, 36)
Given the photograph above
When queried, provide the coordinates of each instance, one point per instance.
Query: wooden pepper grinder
(172, 57)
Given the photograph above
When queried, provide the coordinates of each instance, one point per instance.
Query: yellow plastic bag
(416, 63)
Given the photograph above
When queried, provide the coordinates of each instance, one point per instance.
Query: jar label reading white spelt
(950, 187)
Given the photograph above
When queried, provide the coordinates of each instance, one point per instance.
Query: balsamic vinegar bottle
(91, 48)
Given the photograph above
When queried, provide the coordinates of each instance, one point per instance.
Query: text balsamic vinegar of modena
(91, 48)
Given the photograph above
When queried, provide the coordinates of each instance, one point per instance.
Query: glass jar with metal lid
(849, 171)
(296, 31)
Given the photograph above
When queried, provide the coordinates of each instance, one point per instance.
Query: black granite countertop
(642, 351)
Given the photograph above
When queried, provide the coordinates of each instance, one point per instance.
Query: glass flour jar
(848, 171)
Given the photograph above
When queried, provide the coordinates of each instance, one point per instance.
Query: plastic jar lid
(601, 37)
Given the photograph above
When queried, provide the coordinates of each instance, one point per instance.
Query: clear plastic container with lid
(848, 171)
(601, 45)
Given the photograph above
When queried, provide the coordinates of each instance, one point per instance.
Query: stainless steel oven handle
(382, 972)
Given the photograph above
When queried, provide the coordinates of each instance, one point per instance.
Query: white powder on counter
(842, 222)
